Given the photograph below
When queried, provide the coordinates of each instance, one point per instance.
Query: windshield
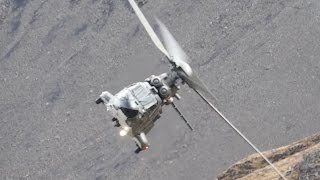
(130, 113)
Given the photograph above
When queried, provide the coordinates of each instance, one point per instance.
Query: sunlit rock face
(299, 160)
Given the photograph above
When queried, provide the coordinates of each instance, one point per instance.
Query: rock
(299, 160)
(309, 168)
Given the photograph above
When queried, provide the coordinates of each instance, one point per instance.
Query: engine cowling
(164, 91)
(156, 81)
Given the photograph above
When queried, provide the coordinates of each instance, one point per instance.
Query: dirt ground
(259, 57)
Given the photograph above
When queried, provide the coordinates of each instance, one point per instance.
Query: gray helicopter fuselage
(136, 107)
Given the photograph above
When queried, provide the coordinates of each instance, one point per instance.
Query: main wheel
(99, 100)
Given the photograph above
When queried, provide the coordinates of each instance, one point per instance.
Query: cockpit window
(130, 113)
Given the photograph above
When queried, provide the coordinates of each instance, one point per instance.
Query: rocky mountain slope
(260, 58)
(299, 160)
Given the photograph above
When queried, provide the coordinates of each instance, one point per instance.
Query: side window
(130, 113)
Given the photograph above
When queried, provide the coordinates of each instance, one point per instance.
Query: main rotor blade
(180, 58)
(195, 83)
(148, 28)
(172, 46)
(240, 133)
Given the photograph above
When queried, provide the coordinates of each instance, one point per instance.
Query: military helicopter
(136, 108)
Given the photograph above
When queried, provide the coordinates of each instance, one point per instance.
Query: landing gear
(99, 100)
(137, 150)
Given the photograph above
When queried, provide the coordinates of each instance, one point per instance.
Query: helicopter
(136, 108)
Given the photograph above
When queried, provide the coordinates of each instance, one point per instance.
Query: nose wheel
(138, 150)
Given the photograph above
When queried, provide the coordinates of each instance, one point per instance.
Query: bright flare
(123, 132)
